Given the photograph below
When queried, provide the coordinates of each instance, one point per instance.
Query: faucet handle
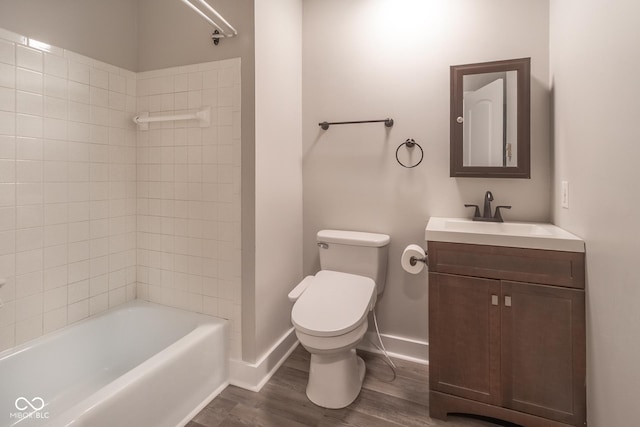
(476, 214)
(498, 214)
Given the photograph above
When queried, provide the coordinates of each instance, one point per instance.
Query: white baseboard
(252, 376)
(398, 347)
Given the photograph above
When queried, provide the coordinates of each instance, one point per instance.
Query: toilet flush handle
(323, 245)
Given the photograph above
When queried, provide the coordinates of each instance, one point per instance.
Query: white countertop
(529, 235)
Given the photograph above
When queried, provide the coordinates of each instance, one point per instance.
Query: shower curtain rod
(220, 32)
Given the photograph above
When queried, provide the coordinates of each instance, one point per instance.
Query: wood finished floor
(282, 402)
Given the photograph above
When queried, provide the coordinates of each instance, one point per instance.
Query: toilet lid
(334, 304)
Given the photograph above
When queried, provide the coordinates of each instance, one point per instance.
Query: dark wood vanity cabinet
(507, 334)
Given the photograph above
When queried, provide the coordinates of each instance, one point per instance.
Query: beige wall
(104, 30)
(596, 148)
(278, 169)
(170, 34)
(371, 59)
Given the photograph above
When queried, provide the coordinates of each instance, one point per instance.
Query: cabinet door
(464, 348)
(543, 351)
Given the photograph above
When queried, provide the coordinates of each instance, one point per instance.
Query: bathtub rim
(202, 318)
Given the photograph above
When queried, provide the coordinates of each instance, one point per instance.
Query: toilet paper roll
(409, 252)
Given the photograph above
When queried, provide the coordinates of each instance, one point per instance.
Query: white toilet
(331, 308)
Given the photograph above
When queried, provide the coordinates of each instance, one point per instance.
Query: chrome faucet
(486, 213)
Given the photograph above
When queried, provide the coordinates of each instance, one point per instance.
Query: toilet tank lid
(356, 238)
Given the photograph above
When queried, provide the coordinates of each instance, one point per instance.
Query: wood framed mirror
(491, 119)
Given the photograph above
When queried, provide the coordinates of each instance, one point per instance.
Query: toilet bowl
(330, 319)
(330, 312)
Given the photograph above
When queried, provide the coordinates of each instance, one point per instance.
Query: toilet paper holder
(414, 260)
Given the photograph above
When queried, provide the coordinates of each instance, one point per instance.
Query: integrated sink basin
(512, 234)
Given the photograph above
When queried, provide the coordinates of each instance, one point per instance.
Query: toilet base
(335, 379)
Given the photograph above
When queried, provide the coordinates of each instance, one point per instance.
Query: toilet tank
(355, 252)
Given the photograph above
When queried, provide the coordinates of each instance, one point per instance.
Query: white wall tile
(8, 314)
(7, 76)
(79, 92)
(7, 99)
(29, 193)
(7, 147)
(7, 242)
(55, 277)
(7, 195)
(7, 218)
(29, 81)
(55, 299)
(99, 78)
(28, 307)
(28, 148)
(56, 65)
(99, 97)
(55, 172)
(117, 83)
(79, 72)
(29, 238)
(29, 216)
(29, 284)
(29, 126)
(7, 52)
(78, 311)
(195, 99)
(28, 171)
(7, 337)
(29, 58)
(98, 304)
(56, 87)
(210, 79)
(7, 171)
(7, 123)
(79, 251)
(28, 329)
(195, 81)
(55, 129)
(55, 319)
(29, 103)
(78, 291)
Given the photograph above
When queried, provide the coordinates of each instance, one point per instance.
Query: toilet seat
(334, 304)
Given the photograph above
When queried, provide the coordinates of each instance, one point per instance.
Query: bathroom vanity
(506, 322)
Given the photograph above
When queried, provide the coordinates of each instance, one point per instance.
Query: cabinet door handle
(507, 301)
(494, 299)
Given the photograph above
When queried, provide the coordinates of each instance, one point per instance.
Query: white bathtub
(139, 364)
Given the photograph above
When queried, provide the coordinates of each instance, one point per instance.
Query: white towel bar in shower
(203, 116)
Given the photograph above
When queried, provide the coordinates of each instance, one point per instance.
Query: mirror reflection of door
(490, 119)
(483, 129)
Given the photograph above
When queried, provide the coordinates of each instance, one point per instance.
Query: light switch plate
(564, 195)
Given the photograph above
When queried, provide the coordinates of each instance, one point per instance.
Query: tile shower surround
(94, 213)
(189, 192)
